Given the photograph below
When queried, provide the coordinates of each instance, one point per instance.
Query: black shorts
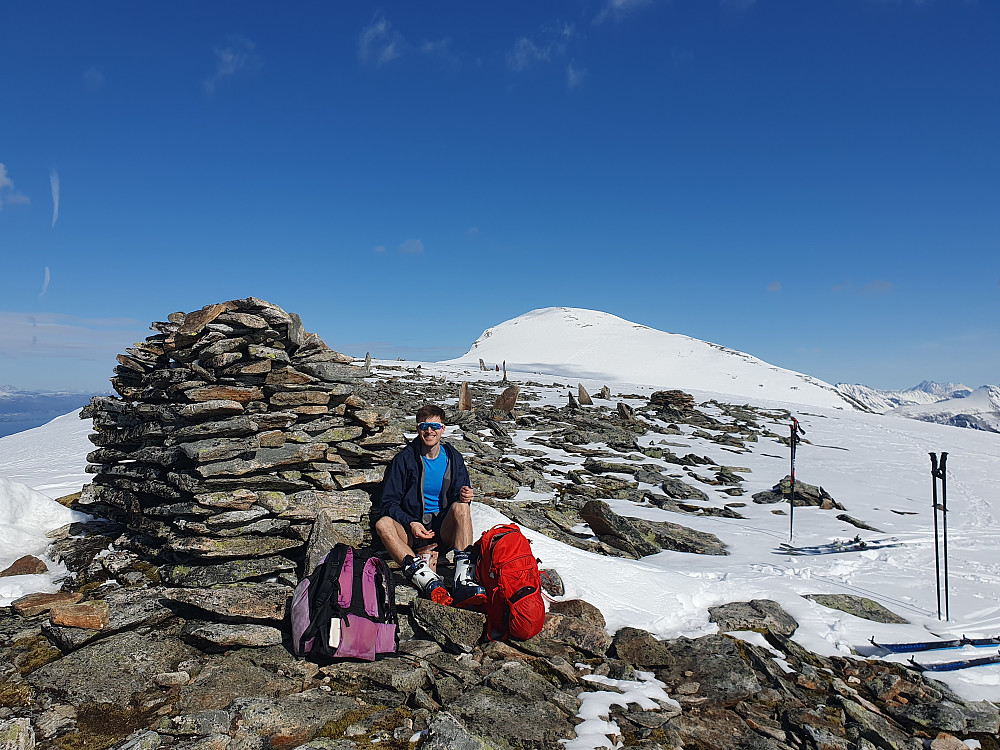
(433, 522)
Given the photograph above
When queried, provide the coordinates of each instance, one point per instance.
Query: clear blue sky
(815, 183)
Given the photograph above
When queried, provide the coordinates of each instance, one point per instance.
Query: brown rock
(29, 565)
(508, 399)
(310, 409)
(579, 609)
(296, 398)
(272, 439)
(93, 615)
(584, 397)
(256, 601)
(253, 368)
(238, 393)
(235, 500)
(212, 409)
(464, 398)
(289, 376)
(35, 604)
(196, 321)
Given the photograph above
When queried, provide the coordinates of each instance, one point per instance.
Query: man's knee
(461, 512)
(387, 525)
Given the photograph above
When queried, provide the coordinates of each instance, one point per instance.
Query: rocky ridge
(128, 657)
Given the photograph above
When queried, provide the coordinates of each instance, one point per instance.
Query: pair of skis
(947, 666)
(830, 548)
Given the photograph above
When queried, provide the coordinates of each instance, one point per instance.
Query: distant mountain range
(880, 402)
(944, 403)
(22, 410)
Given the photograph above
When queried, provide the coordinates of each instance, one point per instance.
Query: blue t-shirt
(434, 470)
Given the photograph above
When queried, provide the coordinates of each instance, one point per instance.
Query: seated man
(425, 506)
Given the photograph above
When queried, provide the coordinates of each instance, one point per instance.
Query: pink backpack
(346, 608)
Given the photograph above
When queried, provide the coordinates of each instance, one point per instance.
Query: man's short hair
(430, 413)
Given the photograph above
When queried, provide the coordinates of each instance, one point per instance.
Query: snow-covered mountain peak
(979, 410)
(942, 390)
(598, 346)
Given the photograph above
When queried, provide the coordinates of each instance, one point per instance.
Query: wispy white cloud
(472, 231)
(55, 335)
(774, 286)
(45, 283)
(380, 248)
(525, 54)
(440, 50)
(379, 44)
(574, 76)
(542, 46)
(240, 54)
(8, 194)
(616, 10)
(54, 182)
(93, 79)
(412, 247)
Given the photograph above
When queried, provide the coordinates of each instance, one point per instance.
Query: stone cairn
(238, 451)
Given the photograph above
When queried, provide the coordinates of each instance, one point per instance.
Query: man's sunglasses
(424, 426)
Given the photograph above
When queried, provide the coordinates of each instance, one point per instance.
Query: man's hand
(420, 531)
(466, 494)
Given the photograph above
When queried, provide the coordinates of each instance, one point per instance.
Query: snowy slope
(881, 401)
(50, 459)
(979, 410)
(592, 345)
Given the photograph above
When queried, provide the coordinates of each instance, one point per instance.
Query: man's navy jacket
(403, 486)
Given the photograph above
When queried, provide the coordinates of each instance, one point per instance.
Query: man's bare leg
(456, 530)
(394, 538)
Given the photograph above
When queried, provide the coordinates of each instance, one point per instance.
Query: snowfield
(877, 466)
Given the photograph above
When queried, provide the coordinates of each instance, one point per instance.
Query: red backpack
(508, 571)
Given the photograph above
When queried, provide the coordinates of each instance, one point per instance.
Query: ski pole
(795, 429)
(944, 526)
(934, 509)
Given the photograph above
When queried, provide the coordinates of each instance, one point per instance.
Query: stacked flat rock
(237, 437)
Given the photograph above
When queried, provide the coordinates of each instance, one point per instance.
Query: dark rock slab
(254, 601)
(457, 630)
(858, 606)
(126, 663)
(673, 536)
(211, 409)
(761, 615)
(265, 459)
(213, 547)
(805, 495)
(615, 530)
(244, 673)
(580, 609)
(231, 571)
(723, 672)
(128, 608)
(448, 733)
(290, 720)
(224, 636)
(506, 720)
(641, 649)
